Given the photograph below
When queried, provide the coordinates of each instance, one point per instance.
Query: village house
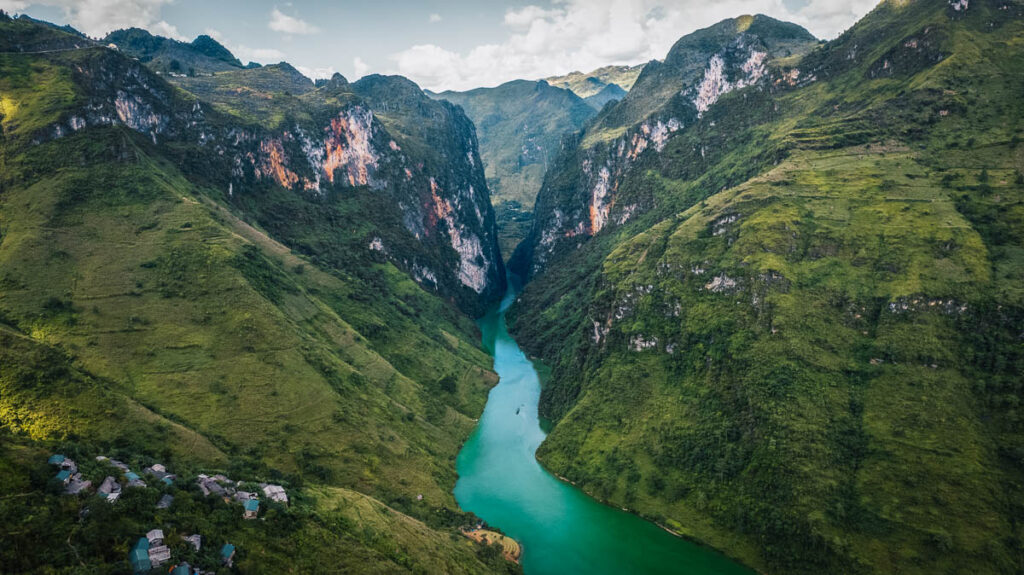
(216, 485)
(159, 555)
(124, 468)
(110, 489)
(134, 480)
(65, 463)
(275, 493)
(139, 556)
(64, 476)
(165, 501)
(196, 540)
(227, 554)
(77, 485)
(158, 552)
(160, 472)
(185, 569)
(252, 508)
(243, 496)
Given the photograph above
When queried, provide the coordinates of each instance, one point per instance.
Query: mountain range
(779, 288)
(586, 85)
(777, 282)
(251, 275)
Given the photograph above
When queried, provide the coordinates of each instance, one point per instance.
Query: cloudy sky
(440, 44)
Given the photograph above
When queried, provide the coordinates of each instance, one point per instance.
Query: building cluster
(68, 474)
(151, 552)
(229, 490)
(110, 488)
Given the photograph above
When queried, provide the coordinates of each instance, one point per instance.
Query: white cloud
(98, 17)
(162, 28)
(13, 6)
(524, 17)
(247, 54)
(316, 73)
(434, 18)
(359, 68)
(281, 22)
(587, 34)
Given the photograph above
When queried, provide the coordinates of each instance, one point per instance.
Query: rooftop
(142, 544)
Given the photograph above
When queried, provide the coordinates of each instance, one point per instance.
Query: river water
(562, 530)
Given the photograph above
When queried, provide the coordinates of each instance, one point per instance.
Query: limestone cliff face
(580, 197)
(412, 162)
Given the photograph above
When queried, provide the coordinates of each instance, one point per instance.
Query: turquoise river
(562, 530)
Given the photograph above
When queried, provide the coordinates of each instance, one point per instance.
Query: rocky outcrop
(581, 196)
(431, 180)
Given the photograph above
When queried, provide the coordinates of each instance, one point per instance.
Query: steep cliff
(803, 344)
(520, 125)
(581, 196)
(225, 288)
(272, 142)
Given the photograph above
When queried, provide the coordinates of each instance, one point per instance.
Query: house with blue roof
(139, 556)
(64, 476)
(227, 554)
(55, 459)
(252, 508)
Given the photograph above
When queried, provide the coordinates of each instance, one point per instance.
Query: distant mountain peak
(214, 49)
(204, 55)
(590, 84)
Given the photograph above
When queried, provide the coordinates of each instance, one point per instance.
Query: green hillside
(202, 56)
(147, 312)
(802, 346)
(590, 84)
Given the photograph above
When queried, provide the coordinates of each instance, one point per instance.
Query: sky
(439, 44)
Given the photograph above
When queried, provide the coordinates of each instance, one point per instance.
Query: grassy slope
(269, 95)
(799, 424)
(181, 318)
(324, 529)
(590, 84)
(204, 55)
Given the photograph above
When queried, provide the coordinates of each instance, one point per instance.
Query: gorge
(752, 306)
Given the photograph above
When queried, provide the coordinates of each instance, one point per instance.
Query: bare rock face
(582, 195)
(412, 164)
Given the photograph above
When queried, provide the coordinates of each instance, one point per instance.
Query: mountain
(204, 55)
(779, 289)
(610, 93)
(271, 283)
(580, 196)
(520, 125)
(587, 85)
(384, 136)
